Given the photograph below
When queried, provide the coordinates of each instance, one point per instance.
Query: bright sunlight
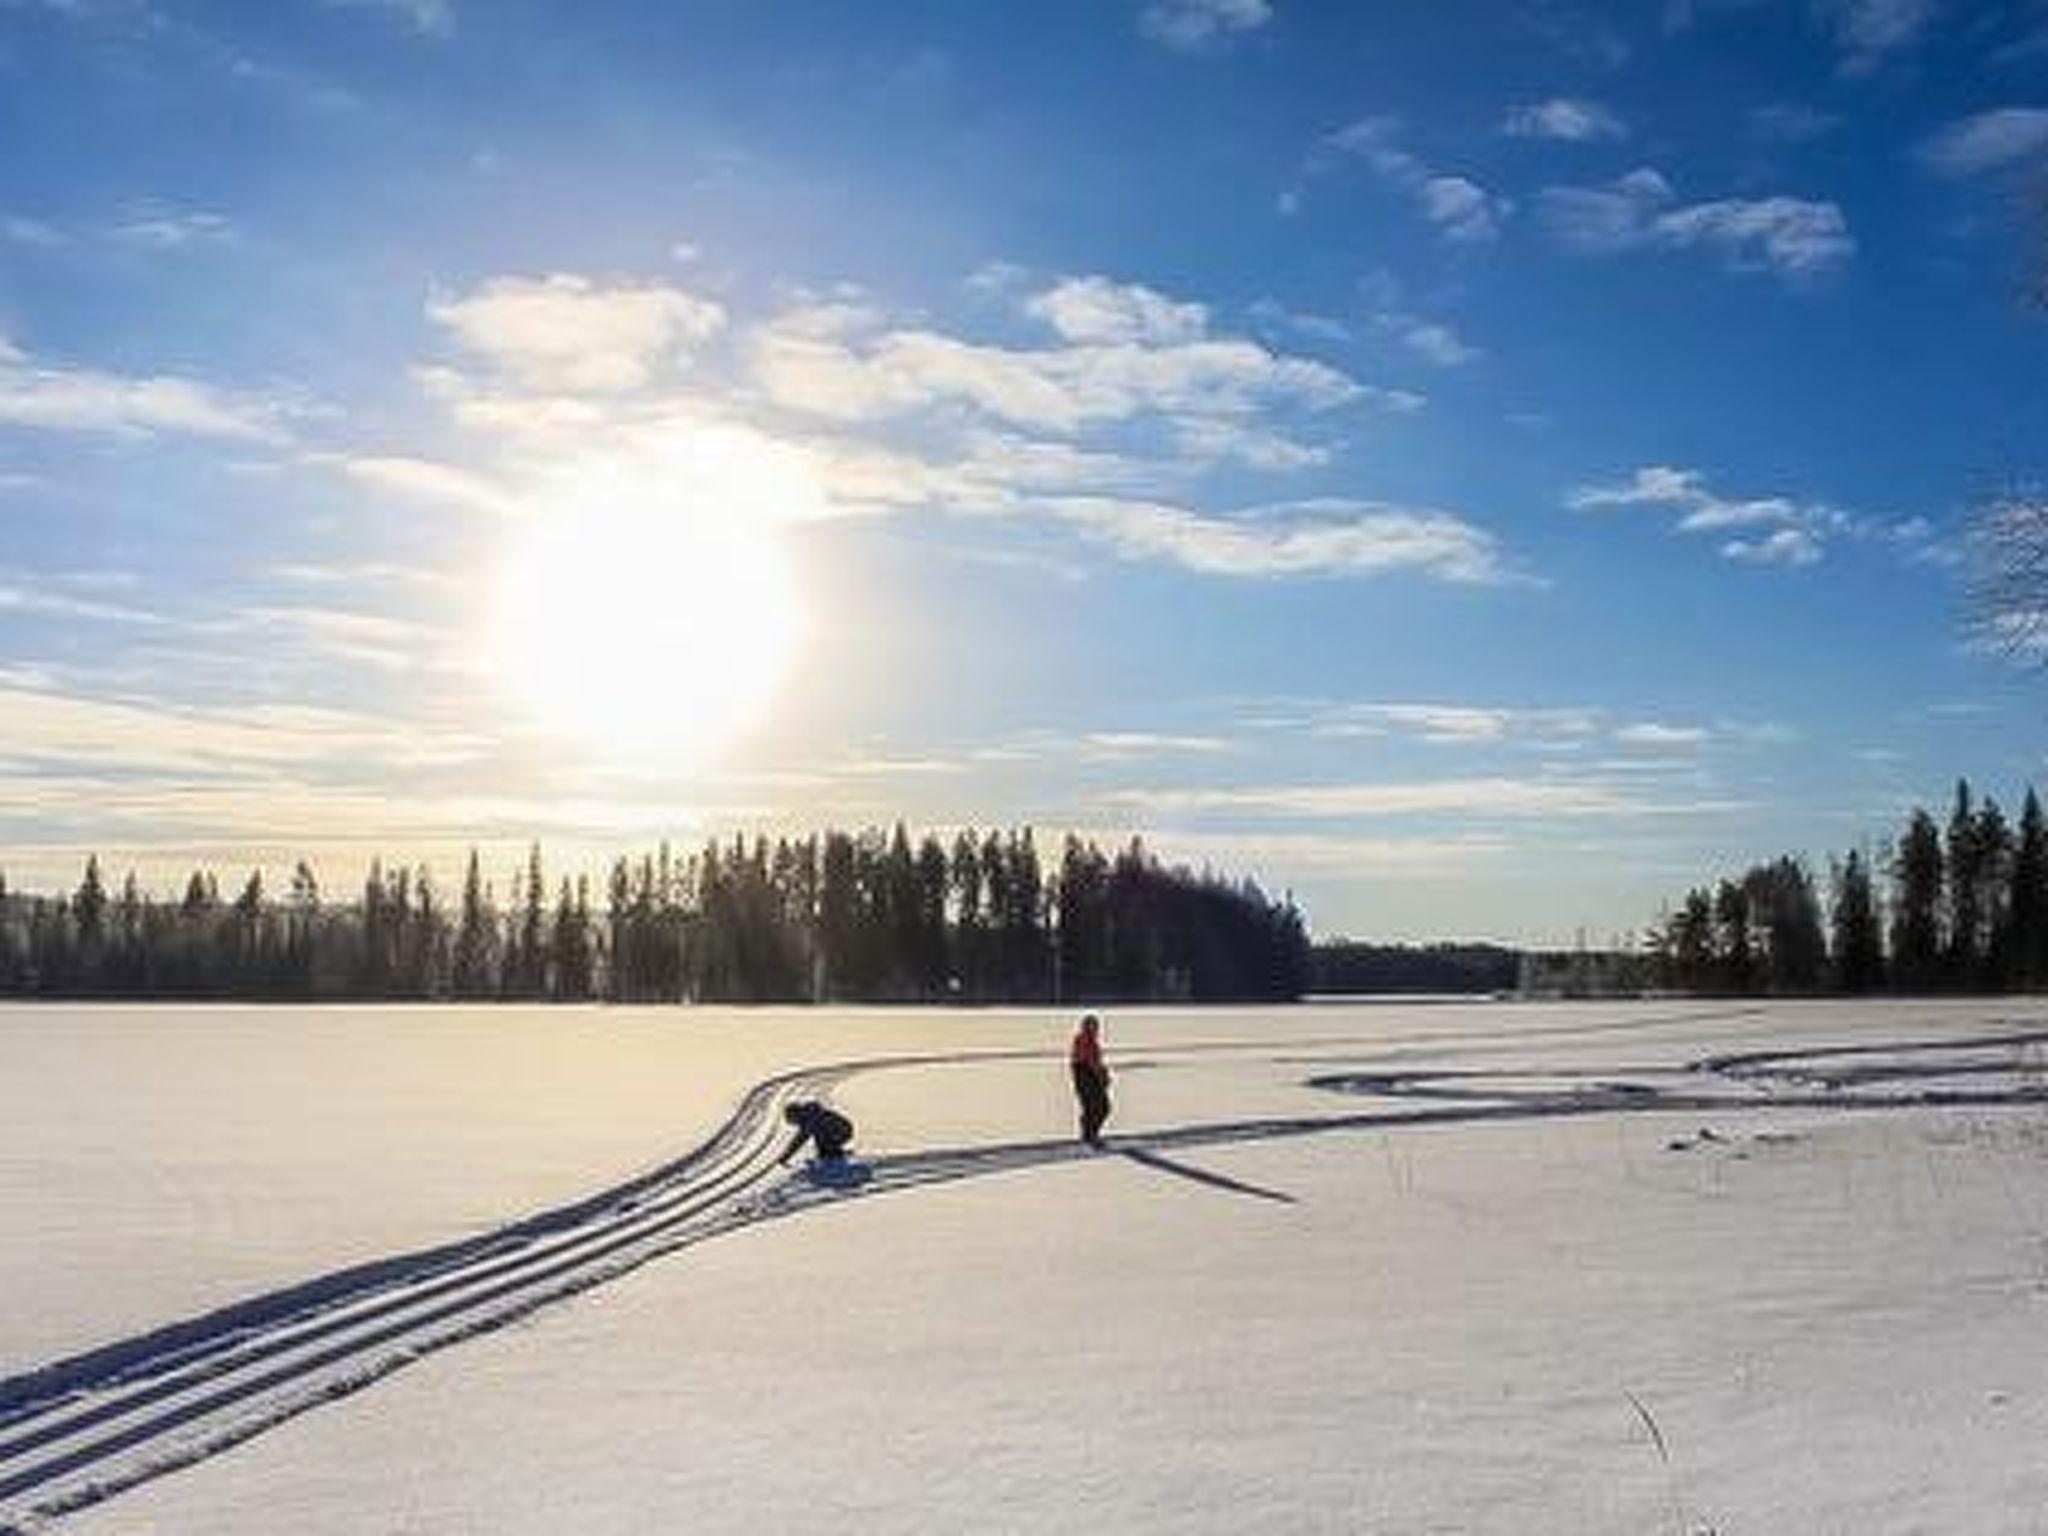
(649, 613)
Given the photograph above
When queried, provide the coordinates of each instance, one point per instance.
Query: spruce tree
(1964, 892)
(2027, 901)
(1858, 946)
(1918, 880)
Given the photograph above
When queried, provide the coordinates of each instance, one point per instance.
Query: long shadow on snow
(1448, 1098)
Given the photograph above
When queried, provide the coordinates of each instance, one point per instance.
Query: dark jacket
(826, 1129)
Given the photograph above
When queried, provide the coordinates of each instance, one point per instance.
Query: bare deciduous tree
(2007, 591)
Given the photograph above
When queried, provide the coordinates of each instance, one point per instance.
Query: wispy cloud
(1435, 341)
(569, 333)
(1787, 531)
(58, 397)
(35, 232)
(1125, 352)
(1491, 796)
(160, 227)
(1326, 539)
(424, 480)
(1789, 236)
(1098, 310)
(1659, 485)
(1789, 122)
(1105, 428)
(1573, 119)
(428, 18)
(1867, 32)
(30, 593)
(1651, 733)
(1443, 724)
(1462, 210)
(90, 734)
(1864, 33)
(1988, 141)
(1194, 24)
(1783, 546)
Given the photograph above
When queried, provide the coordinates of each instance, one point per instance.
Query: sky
(1480, 467)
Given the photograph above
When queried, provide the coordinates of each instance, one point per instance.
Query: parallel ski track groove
(495, 1286)
(381, 1316)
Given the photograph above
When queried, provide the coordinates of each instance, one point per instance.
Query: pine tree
(531, 969)
(2027, 902)
(1858, 946)
(1733, 949)
(474, 931)
(1965, 892)
(1918, 879)
(89, 907)
(1992, 846)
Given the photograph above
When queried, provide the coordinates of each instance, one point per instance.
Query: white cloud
(1866, 31)
(1653, 734)
(429, 18)
(840, 364)
(1789, 235)
(1453, 724)
(25, 231)
(1436, 341)
(1989, 141)
(1102, 431)
(1195, 23)
(1271, 312)
(1316, 539)
(1652, 485)
(1791, 532)
(1786, 546)
(1685, 489)
(340, 634)
(1097, 310)
(1790, 122)
(422, 480)
(566, 332)
(126, 736)
(1497, 796)
(171, 229)
(1211, 440)
(1793, 237)
(59, 398)
(1462, 210)
(22, 592)
(1573, 119)
(1130, 744)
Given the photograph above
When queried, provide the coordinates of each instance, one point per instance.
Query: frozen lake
(1407, 1266)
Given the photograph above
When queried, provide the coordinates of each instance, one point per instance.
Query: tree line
(1350, 966)
(1955, 907)
(871, 916)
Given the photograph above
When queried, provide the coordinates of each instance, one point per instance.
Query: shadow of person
(838, 1172)
(1196, 1175)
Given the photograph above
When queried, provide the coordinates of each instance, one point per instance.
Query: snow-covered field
(1619, 1268)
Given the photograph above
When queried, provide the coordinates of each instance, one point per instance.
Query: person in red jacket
(1091, 1078)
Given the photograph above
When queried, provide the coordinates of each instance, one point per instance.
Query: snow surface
(1830, 1317)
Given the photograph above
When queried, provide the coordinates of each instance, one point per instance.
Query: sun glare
(648, 613)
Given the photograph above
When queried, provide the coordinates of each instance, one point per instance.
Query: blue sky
(1480, 466)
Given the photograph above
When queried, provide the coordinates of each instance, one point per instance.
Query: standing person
(1091, 1078)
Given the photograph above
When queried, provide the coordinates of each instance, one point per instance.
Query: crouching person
(829, 1132)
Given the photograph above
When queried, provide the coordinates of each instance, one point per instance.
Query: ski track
(81, 1430)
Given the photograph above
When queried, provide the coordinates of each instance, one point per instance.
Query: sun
(647, 612)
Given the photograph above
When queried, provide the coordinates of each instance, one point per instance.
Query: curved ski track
(82, 1430)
